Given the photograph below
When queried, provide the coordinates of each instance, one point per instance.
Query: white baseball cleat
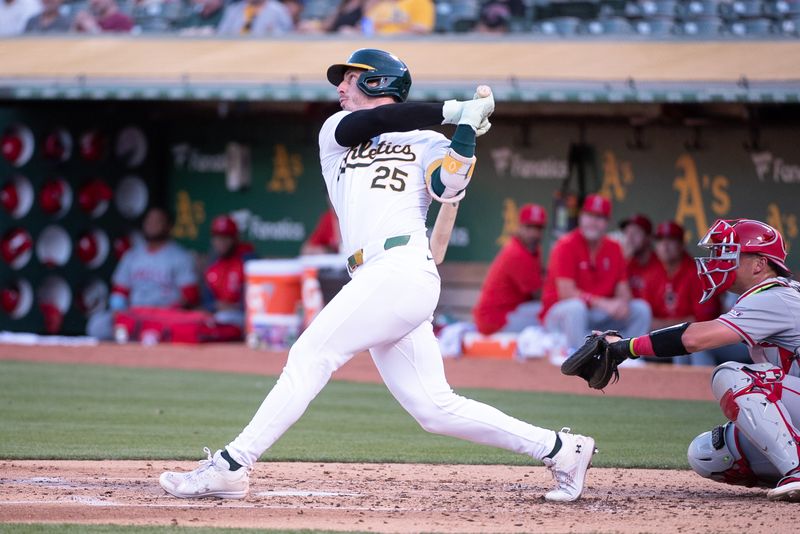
(788, 489)
(212, 479)
(569, 466)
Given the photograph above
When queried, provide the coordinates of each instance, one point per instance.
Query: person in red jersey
(514, 279)
(643, 268)
(677, 293)
(224, 277)
(586, 287)
(325, 238)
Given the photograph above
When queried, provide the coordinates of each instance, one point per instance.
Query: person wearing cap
(157, 273)
(223, 292)
(514, 278)
(643, 265)
(586, 287)
(677, 293)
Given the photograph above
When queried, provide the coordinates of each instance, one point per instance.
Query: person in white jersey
(760, 445)
(381, 173)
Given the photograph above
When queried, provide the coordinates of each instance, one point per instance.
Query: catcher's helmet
(725, 240)
(384, 74)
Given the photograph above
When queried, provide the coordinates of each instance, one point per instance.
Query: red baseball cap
(597, 205)
(640, 220)
(224, 225)
(669, 230)
(533, 214)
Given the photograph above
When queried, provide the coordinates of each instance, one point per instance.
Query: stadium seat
(563, 26)
(655, 27)
(460, 16)
(701, 27)
(789, 27)
(608, 26)
(658, 8)
(697, 9)
(741, 9)
(751, 27)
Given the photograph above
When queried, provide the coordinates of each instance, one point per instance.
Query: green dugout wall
(690, 175)
(198, 155)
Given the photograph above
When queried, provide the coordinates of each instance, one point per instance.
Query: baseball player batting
(760, 446)
(381, 173)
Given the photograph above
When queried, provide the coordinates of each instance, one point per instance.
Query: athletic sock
(234, 465)
(556, 447)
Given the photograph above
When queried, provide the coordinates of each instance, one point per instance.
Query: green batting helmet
(391, 74)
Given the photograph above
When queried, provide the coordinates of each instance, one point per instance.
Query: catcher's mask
(384, 73)
(726, 240)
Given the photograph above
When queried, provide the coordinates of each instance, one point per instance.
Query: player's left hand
(593, 361)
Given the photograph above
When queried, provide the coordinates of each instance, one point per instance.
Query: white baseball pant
(385, 308)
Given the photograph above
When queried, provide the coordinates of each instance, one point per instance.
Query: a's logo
(367, 153)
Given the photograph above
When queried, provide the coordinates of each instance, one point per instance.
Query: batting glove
(451, 111)
(476, 112)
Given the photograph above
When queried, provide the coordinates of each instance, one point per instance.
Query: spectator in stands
(643, 265)
(514, 279)
(346, 18)
(325, 239)
(156, 273)
(678, 292)
(496, 15)
(295, 8)
(50, 20)
(586, 287)
(395, 17)
(256, 18)
(103, 16)
(14, 15)
(224, 277)
(203, 17)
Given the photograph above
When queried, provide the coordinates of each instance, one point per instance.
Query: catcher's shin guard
(750, 396)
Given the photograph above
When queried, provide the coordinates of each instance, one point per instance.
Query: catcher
(760, 446)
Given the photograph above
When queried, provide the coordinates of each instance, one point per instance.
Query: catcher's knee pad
(725, 455)
(750, 396)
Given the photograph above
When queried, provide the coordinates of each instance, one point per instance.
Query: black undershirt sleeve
(363, 125)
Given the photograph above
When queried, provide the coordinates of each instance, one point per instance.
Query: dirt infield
(387, 497)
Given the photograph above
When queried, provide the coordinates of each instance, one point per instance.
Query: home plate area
(386, 498)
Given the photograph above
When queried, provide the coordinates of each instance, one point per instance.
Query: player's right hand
(476, 112)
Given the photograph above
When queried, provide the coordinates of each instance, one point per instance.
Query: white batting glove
(451, 111)
(476, 112)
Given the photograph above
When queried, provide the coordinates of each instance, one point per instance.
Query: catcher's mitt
(592, 361)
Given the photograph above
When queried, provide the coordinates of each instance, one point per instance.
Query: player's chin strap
(448, 178)
(662, 343)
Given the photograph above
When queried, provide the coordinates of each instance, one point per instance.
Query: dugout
(685, 130)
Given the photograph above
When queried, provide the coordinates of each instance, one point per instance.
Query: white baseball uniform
(378, 191)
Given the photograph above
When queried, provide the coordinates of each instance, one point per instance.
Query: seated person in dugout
(675, 297)
(224, 278)
(157, 273)
(325, 238)
(586, 287)
(507, 300)
(643, 265)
